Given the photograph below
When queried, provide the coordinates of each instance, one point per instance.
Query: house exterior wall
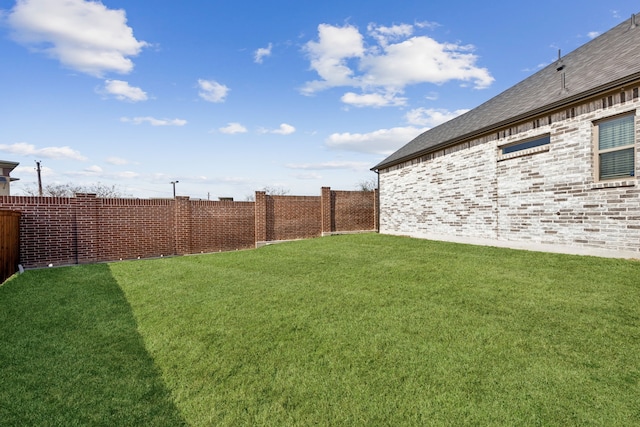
(5, 179)
(542, 198)
(5, 185)
(451, 194)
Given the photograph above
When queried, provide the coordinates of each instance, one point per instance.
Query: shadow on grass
(71, 354)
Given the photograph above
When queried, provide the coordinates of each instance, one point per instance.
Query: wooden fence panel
(9, 243)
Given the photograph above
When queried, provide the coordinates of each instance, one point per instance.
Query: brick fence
(86, 229)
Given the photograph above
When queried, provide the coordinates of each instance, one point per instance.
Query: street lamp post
(174, 187)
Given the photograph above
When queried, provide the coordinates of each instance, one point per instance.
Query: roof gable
(607, 60)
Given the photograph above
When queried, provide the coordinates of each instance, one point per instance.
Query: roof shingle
(608, 60)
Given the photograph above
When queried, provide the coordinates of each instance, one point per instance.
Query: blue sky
(232, 97)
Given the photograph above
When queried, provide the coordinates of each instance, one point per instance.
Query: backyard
(357, 330)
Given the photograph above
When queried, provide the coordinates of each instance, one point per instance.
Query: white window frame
(598, 152)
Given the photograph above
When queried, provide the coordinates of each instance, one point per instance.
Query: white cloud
(122, 91)
(394, 59)
(83, 35)
(385, 35)
(536, 68)
(95, 169)
(334, 165)
(284, 129)
(593, 34)
(96, 172)
(153, 121)
(126, 175)
(261, 53)
(424, 60)
(373, 100)
(427, 24)
(119, 161)
(24, 149)
(383, 141)
(233, 128)
(212, 91)
(386, 141)
(329, 56)
(431, 117)
(432, 96)
(308, 176)
(25, 171)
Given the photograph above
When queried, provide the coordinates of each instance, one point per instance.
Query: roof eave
(516, 119)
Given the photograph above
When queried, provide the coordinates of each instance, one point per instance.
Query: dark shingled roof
(608, 60)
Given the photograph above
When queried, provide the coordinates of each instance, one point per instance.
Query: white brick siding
(542, 198)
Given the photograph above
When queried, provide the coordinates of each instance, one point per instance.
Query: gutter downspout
(377, 202)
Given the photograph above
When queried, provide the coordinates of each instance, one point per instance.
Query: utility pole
(39, 178)
(174, 188)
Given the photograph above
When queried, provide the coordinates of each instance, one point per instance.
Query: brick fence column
(86, 218)
(261, 217)
(182, 224)
(326, 211)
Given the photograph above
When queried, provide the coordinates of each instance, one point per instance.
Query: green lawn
(359, 330)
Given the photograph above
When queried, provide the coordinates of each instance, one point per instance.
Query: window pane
(616, 132)
(526, 145)
(616, 164)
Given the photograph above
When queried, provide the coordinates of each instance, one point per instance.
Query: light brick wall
(545, 195)
(451, 194)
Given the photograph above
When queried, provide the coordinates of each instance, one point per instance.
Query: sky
(229, 97)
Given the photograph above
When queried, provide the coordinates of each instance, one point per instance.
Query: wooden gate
(9, 243)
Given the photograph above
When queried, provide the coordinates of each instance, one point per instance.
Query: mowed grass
(357, 330)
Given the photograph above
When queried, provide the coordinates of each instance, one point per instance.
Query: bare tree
(275, 191)
(70, 189)
(105, 191)
(271, 191)
(367, 185)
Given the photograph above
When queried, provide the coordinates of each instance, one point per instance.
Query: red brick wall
(327, 210)
(261, 216)
(353, 210)
(85, 229)
(47, 229)
(132, 228)
(293, 217)
(222, 226)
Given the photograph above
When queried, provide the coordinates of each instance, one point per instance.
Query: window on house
(526, 144)
(616, 147)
